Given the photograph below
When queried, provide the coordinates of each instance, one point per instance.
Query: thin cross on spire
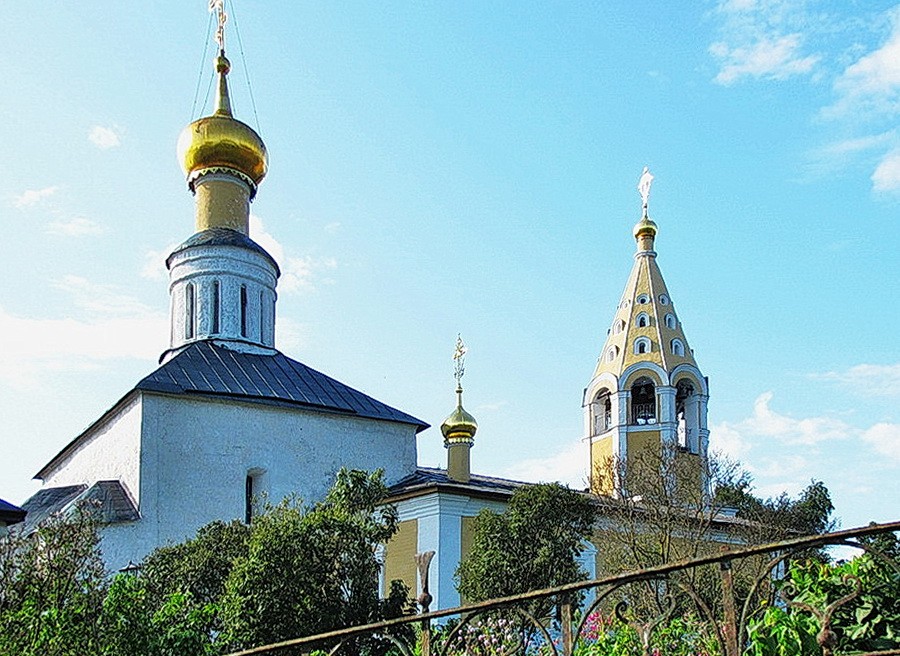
(459, 361)
(218, 6)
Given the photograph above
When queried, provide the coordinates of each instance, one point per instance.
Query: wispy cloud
(105, 137)
(882, 380)
(297, 273)
(32, 197)
(885, 439)
(886, 176)
(106, 325)
(155, 262)
(872, 83)
(770, 58)
(568, 466)
(75, 227)
(762, 39)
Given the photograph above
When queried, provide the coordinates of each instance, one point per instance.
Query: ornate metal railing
(557, 621)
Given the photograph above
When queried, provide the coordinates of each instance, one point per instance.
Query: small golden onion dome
(222, 141)
(645, 228)
(460, 423)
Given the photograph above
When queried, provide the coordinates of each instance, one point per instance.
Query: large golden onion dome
(221, 141)
(460, 424)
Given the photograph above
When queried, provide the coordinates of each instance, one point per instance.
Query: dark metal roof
(206, 368)
(108, 501)
(47, 501)
(223, 237)
(10, 514)
(429, 477)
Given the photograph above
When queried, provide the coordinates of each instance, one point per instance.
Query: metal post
(728, 604)
(565, 620)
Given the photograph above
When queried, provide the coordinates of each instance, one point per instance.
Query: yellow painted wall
(641, 440)
(601, 466)
(399, 558)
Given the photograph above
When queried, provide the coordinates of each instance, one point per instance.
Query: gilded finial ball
(645, 228)
(222, 64)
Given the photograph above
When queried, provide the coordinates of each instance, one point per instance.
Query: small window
(643, 320)
(670, 321)
(618, 327)
(243, 311)
(677, 347)
(664, 299)
(611, 353)
(641, 345)
(643, 299)
(215, 307)
(190, 311)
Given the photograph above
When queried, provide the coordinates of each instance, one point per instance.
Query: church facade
(227, 421)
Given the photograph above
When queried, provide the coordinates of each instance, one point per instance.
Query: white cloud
(105, 138)
(872, 83)
(568, 466)
(885, 439)
(112, 326)
(32, 197)
(75, 227)
(881, 380)
(101, 300)
(886, 176)
(775, 58)
(155, 262)
(297, 273)
(761, 39)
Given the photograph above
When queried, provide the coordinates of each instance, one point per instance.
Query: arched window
(611, 353)
(643, 320)
(677, 347)
(216, 302)
(687, 414)
(602, 412)
(670, 321)
(262, 314)
(618, 327)
(663, 299)
(643, 299)
(643, 401)
(190, 311)
(243, 310)
(642, 345)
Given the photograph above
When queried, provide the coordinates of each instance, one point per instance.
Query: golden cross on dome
(218, 6)
(459, 360)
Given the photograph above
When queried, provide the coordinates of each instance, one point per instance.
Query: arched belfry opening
(601, 412)
(643, 401)
(687, 415)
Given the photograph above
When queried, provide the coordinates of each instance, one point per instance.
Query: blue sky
(471, 167)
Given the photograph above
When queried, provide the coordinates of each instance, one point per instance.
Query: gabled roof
(206, 368)
(108, 501)
(429, 479)
(10, 514)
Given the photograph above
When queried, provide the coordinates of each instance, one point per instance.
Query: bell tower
(647, 391)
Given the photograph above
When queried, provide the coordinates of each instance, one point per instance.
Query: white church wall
(110, 450)
(198, 453)
(439, 518)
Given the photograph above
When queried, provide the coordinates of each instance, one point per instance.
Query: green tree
(534, 544)
(310, 570)
(53, 585)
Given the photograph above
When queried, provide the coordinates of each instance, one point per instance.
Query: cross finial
(218, 6)
(459, 361)
(644, 189)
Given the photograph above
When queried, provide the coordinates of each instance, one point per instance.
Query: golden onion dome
(460, 423)
(222, 141)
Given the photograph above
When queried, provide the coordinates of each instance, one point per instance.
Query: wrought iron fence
(562, 621)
